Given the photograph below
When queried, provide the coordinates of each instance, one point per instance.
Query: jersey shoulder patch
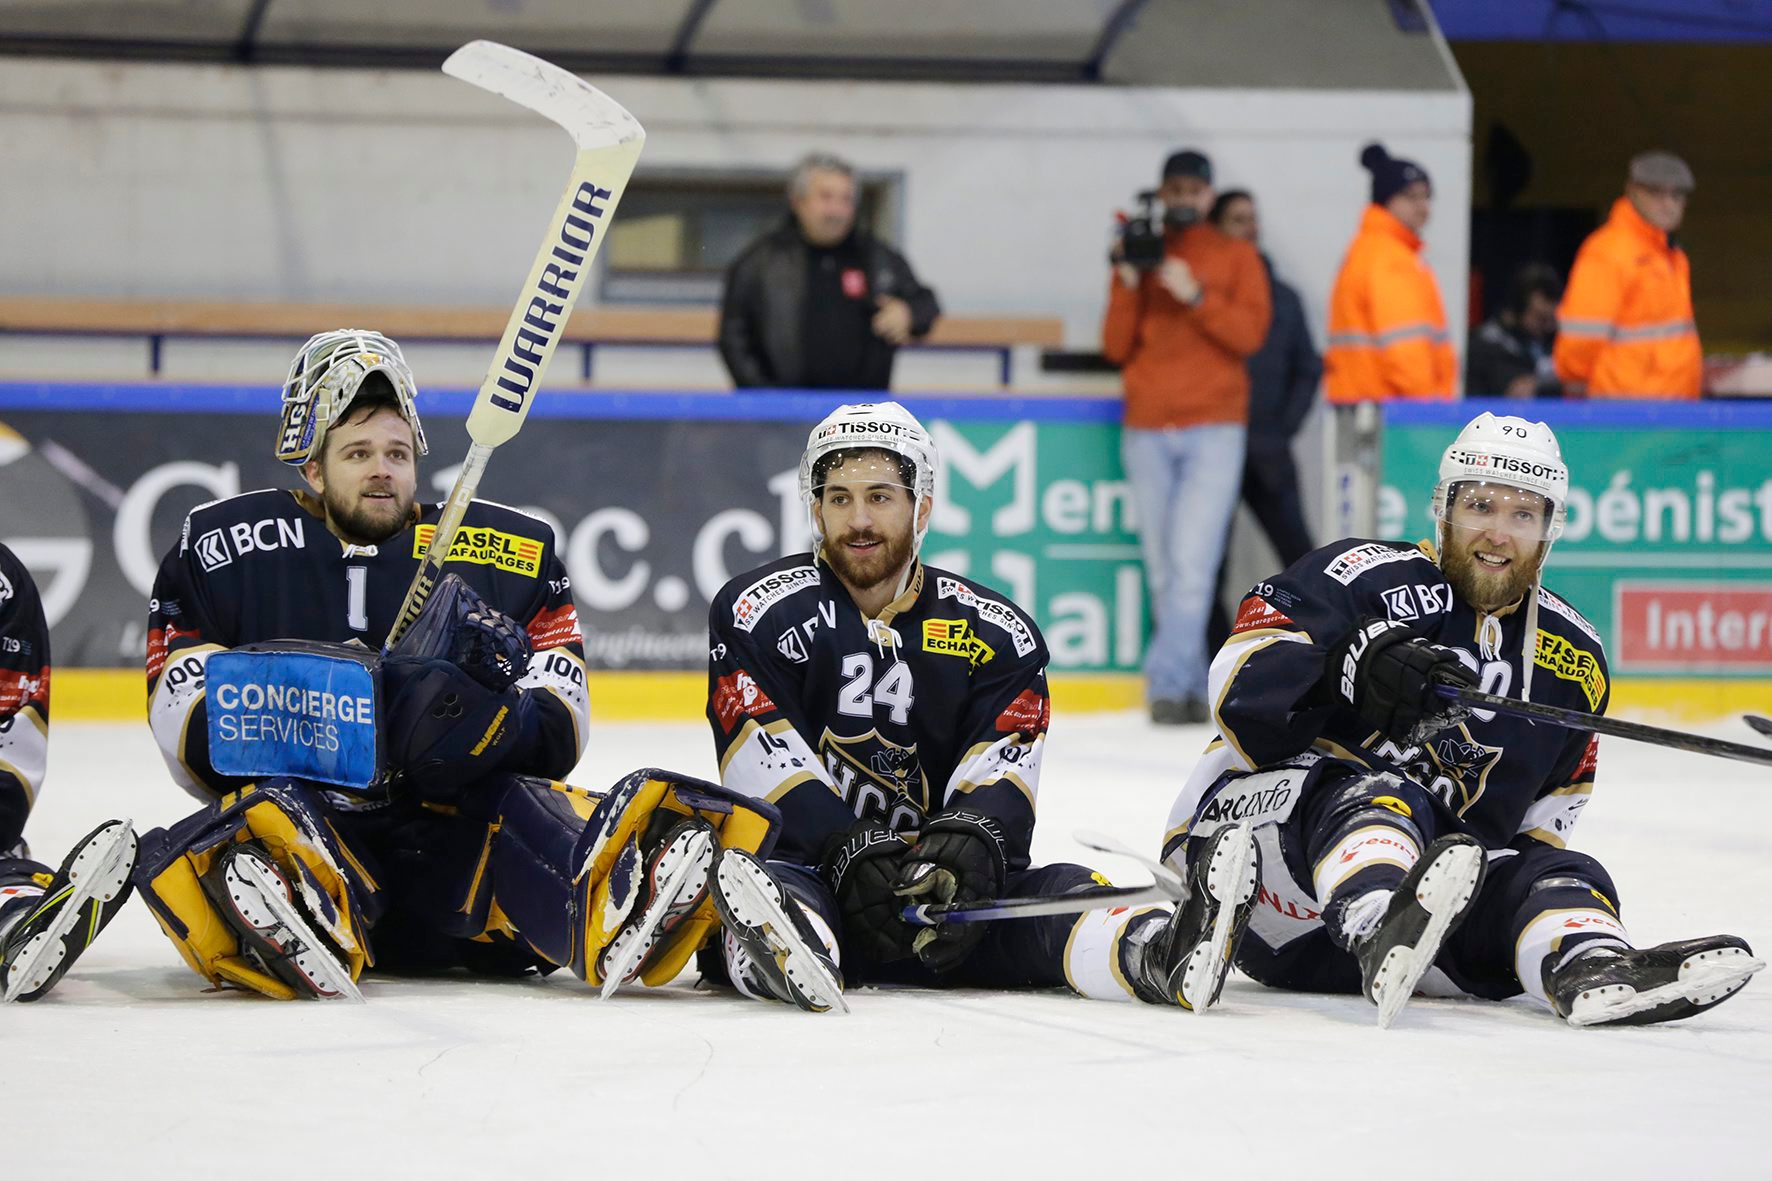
(1347, 562)
(988, 607)
(509, 517)
(1550, 601)
(751, 595)
(492, 535)
(220, 531)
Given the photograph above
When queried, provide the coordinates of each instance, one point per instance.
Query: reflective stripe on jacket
(1387, 326)
(1625, 327)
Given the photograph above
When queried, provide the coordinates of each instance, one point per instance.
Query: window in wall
(676, 234)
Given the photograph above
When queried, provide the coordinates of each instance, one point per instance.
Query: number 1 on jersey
(357, 597)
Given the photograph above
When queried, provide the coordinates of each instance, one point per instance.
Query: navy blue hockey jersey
(1501, 777)
(262, 566)
(24, 697)
(940, 702)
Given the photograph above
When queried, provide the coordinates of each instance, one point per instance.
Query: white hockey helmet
(875, 426)
(1511, 452)
(324, 379)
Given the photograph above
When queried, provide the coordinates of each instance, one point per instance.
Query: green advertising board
(1668, 546)
(1041, 510)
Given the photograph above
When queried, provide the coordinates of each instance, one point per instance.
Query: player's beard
(1485, 589)
(364, 520)
(865, 572)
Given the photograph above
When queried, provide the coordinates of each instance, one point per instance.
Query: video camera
(1141, 239)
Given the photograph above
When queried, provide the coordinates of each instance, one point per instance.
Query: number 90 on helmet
(869, 426)
(325, 377)
(1511, 452)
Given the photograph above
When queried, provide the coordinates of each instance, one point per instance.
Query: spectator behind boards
(1510, 355)
(1387, 326)
(1181, 329)
(816, 303)
(1626, 328)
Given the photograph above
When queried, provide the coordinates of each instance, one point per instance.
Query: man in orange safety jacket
(1387, 326)
(1625, 327)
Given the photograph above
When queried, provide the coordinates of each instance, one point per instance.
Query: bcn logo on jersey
(767, 591)
(213, 548)
(1570, 663)
(954, 637)
(486, 547)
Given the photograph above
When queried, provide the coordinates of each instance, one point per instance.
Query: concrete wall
(288, 183)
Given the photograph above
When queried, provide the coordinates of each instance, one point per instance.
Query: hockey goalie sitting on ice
(1406, 842)
(408, 816)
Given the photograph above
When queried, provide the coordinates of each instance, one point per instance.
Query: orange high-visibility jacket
(1625, 327)
(1387, 326)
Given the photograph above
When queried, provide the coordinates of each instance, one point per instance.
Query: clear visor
(1477, 506)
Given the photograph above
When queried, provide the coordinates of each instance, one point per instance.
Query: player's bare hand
(892, 323)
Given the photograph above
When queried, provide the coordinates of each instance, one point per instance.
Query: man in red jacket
(1181, 333)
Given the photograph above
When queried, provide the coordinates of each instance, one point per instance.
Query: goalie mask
(324, 379)
(870, 426)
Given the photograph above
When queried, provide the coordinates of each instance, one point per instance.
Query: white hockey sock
(1374, 844)
(1544, 937)
(1092, 954)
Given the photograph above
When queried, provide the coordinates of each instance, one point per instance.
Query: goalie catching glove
(454, 712)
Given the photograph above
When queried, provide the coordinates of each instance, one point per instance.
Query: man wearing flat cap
(1625, 327)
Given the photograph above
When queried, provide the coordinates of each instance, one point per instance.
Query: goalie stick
(1576, 720)
(609, 142)
(1167, 887)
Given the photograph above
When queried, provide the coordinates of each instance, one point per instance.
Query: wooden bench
(156, 320)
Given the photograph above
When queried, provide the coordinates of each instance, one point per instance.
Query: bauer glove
(862, 867)
(1387, 675)
(958, 857)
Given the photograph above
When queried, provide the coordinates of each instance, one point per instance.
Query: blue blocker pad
(301, 709)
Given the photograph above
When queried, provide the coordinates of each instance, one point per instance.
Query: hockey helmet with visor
(870, 426)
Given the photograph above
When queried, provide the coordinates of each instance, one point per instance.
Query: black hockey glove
(1387, 675)
(862, 867)
(958, 857)
(454, 713)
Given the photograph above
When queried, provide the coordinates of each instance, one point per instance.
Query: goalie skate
(257, 900)
(1643, 986)
(1421, 913)
(677, 878)
(89, 889)
(1186, 963)
(779, 954)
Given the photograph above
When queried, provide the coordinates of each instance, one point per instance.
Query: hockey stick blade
(1758, 724)
(1576, 720)
(1165, 877)
(609, 141)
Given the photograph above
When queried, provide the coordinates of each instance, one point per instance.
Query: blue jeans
(1185, 483)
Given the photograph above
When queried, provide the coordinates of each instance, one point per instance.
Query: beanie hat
(1390, 175)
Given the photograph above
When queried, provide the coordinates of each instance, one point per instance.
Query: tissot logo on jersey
(1570, 663)
(482, 546)
(954, 637)
(990, 611)
(1350, 564)
(767, 591)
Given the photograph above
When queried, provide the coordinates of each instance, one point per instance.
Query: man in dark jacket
(1283, 377)
(816, 303)
(1510, 355)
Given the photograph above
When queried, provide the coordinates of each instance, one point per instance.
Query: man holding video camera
(1187, 305)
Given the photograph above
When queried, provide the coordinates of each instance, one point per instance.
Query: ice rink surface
(130, 1070)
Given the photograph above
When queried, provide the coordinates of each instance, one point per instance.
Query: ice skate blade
(1704, 980)
(694, 852)
(1443, 892)
(1230, 880)
(330, 978)
(99, 871)
(753, 901)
